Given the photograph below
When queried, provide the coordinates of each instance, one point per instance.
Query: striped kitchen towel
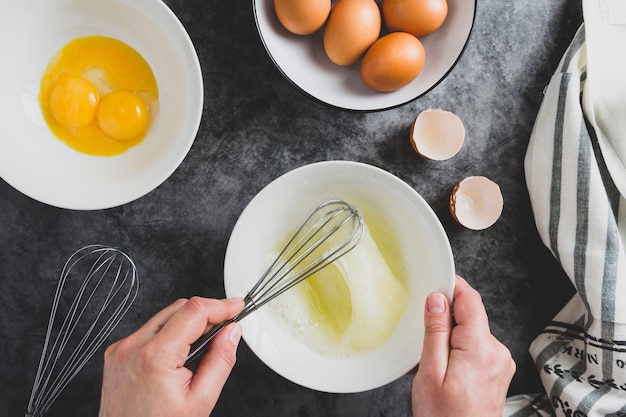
(576, 176)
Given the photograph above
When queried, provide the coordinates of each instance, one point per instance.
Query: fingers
(215, 367)
(156, 323)
(469, 315)
(472, 333)
(187, 324)
(438, 327)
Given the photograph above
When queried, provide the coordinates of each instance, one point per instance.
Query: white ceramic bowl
(302, 60)
(37, 163)
(278, 209)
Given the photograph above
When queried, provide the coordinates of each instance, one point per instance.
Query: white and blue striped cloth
(576, 176)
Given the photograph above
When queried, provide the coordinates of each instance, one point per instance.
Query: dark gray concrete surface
(257, 126)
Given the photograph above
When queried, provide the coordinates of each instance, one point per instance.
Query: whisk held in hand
(332, 230)
(106, 284)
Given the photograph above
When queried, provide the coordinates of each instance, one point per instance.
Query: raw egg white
(353, 305)
(302, 17)
(97, 95)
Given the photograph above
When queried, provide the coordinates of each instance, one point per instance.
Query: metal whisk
(106, 284)
(332, 230)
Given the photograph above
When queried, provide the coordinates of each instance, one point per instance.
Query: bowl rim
(255, 331)
(377, 108)
(162, 166)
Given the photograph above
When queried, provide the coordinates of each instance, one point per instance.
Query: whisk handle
(200, 346)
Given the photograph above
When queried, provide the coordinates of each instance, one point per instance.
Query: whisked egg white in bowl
(358, 324)
(352, 306)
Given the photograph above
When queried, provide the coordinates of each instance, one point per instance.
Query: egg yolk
(122, 115)
(98, 96)
(73, 102)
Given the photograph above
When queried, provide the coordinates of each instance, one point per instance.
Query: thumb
(437, 330)
(215, 367)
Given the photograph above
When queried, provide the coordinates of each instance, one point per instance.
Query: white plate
(303, 61)
(38, 164)
(278, 209)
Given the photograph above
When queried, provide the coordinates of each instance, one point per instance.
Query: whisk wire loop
(307, 239)
(108, 287)
(332, 230)
(83, 351)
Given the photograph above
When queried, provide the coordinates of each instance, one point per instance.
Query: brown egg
(417, 17)
(392, 62)
(302, 17)
(352, 27)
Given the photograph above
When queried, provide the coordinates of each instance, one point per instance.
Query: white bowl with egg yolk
(276, 211)
(41, 166)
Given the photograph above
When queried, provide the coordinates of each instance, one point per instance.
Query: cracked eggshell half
(476, 202)
(437, 134)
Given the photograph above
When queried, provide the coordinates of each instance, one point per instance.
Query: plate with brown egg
(365, 55)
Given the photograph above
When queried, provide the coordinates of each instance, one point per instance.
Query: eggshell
(302, 17)
(417, 17)
(476, 202)
(352, 27)
(437, 134)
(392, 62)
